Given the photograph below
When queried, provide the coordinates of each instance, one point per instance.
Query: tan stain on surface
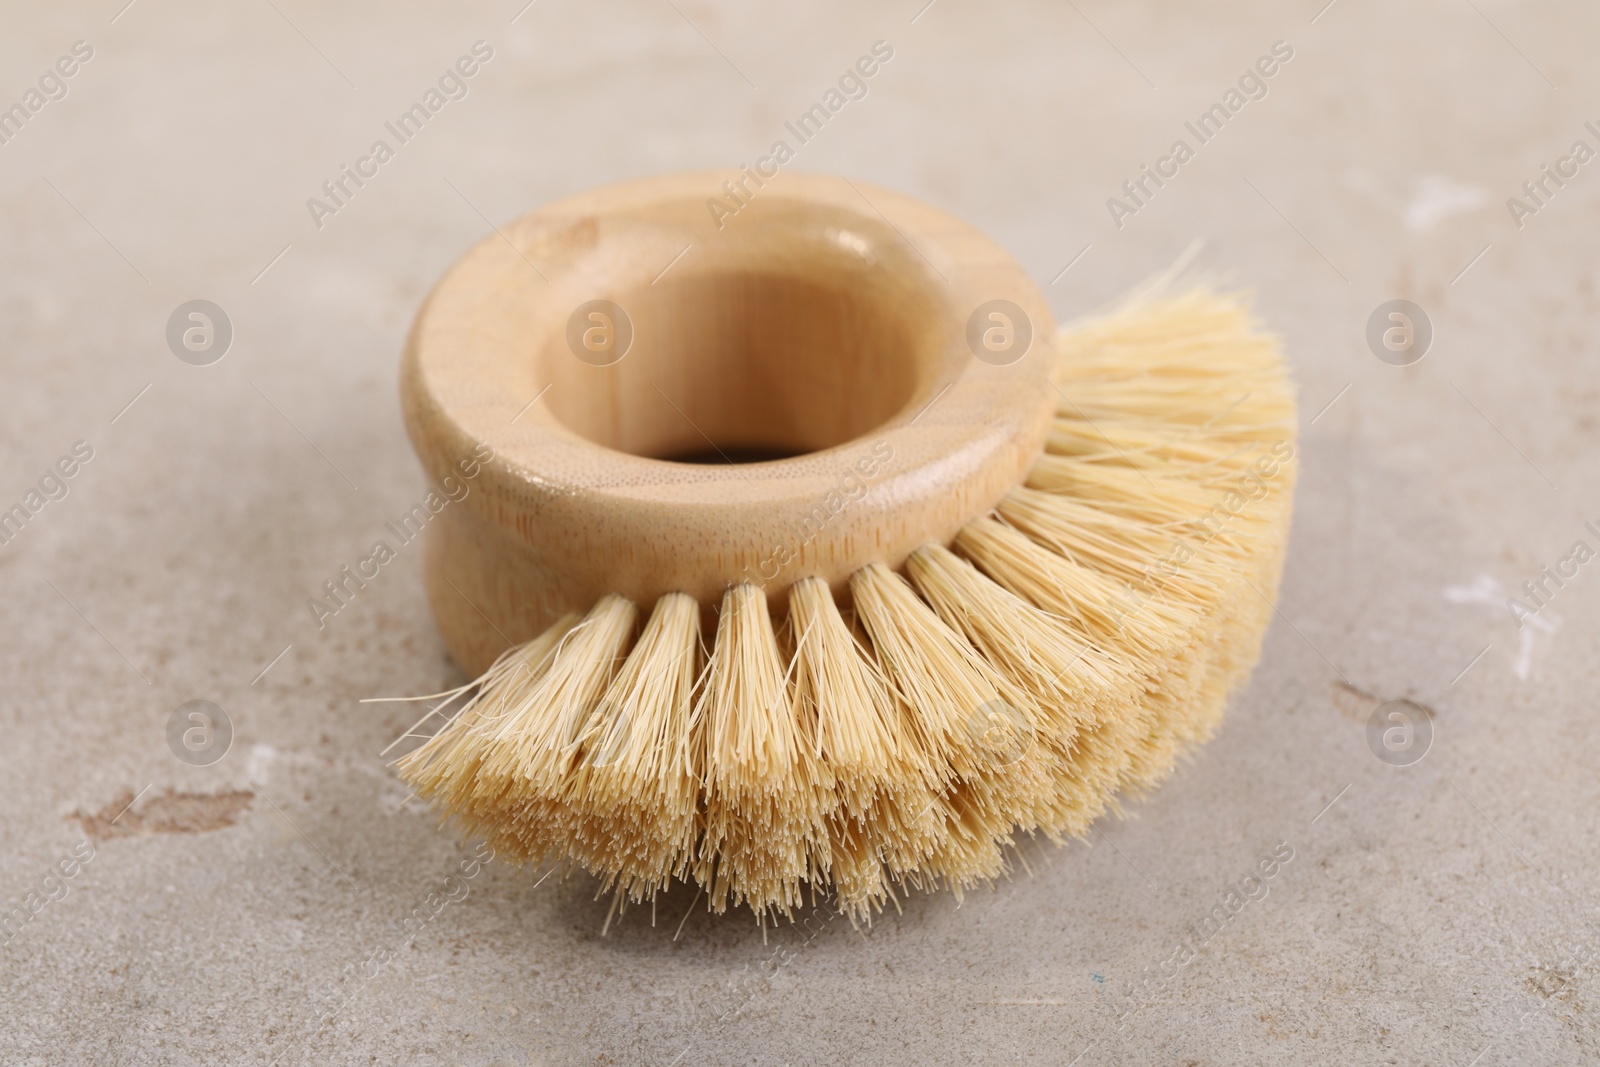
(1357, 704)
(168, 813)
(1550, 982)
(1352, 703)
(1417, 706)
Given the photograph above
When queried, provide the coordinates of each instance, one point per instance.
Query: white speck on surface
(1486, 590)
(1435, 197)
(261, 760)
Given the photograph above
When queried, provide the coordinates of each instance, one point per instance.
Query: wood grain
(827, 323)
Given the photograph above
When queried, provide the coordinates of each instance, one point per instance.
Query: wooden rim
(848, 323)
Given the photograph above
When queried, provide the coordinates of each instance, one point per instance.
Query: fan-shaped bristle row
(1060, 650)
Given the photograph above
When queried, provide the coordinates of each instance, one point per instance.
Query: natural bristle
(762, 797)
(1061, 650)
(879, 815)
(638, 762)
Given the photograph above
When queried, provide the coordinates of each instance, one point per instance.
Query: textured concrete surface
(247, 911)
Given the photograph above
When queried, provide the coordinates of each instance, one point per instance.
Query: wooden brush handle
(831, 322)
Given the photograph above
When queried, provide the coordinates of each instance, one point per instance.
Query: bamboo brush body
(998, 587)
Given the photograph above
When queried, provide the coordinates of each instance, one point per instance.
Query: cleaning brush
(801, 550)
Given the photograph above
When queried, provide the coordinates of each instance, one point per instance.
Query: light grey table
(1437, 913)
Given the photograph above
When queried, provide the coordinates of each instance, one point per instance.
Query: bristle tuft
(1062, 650)
(763, 819)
